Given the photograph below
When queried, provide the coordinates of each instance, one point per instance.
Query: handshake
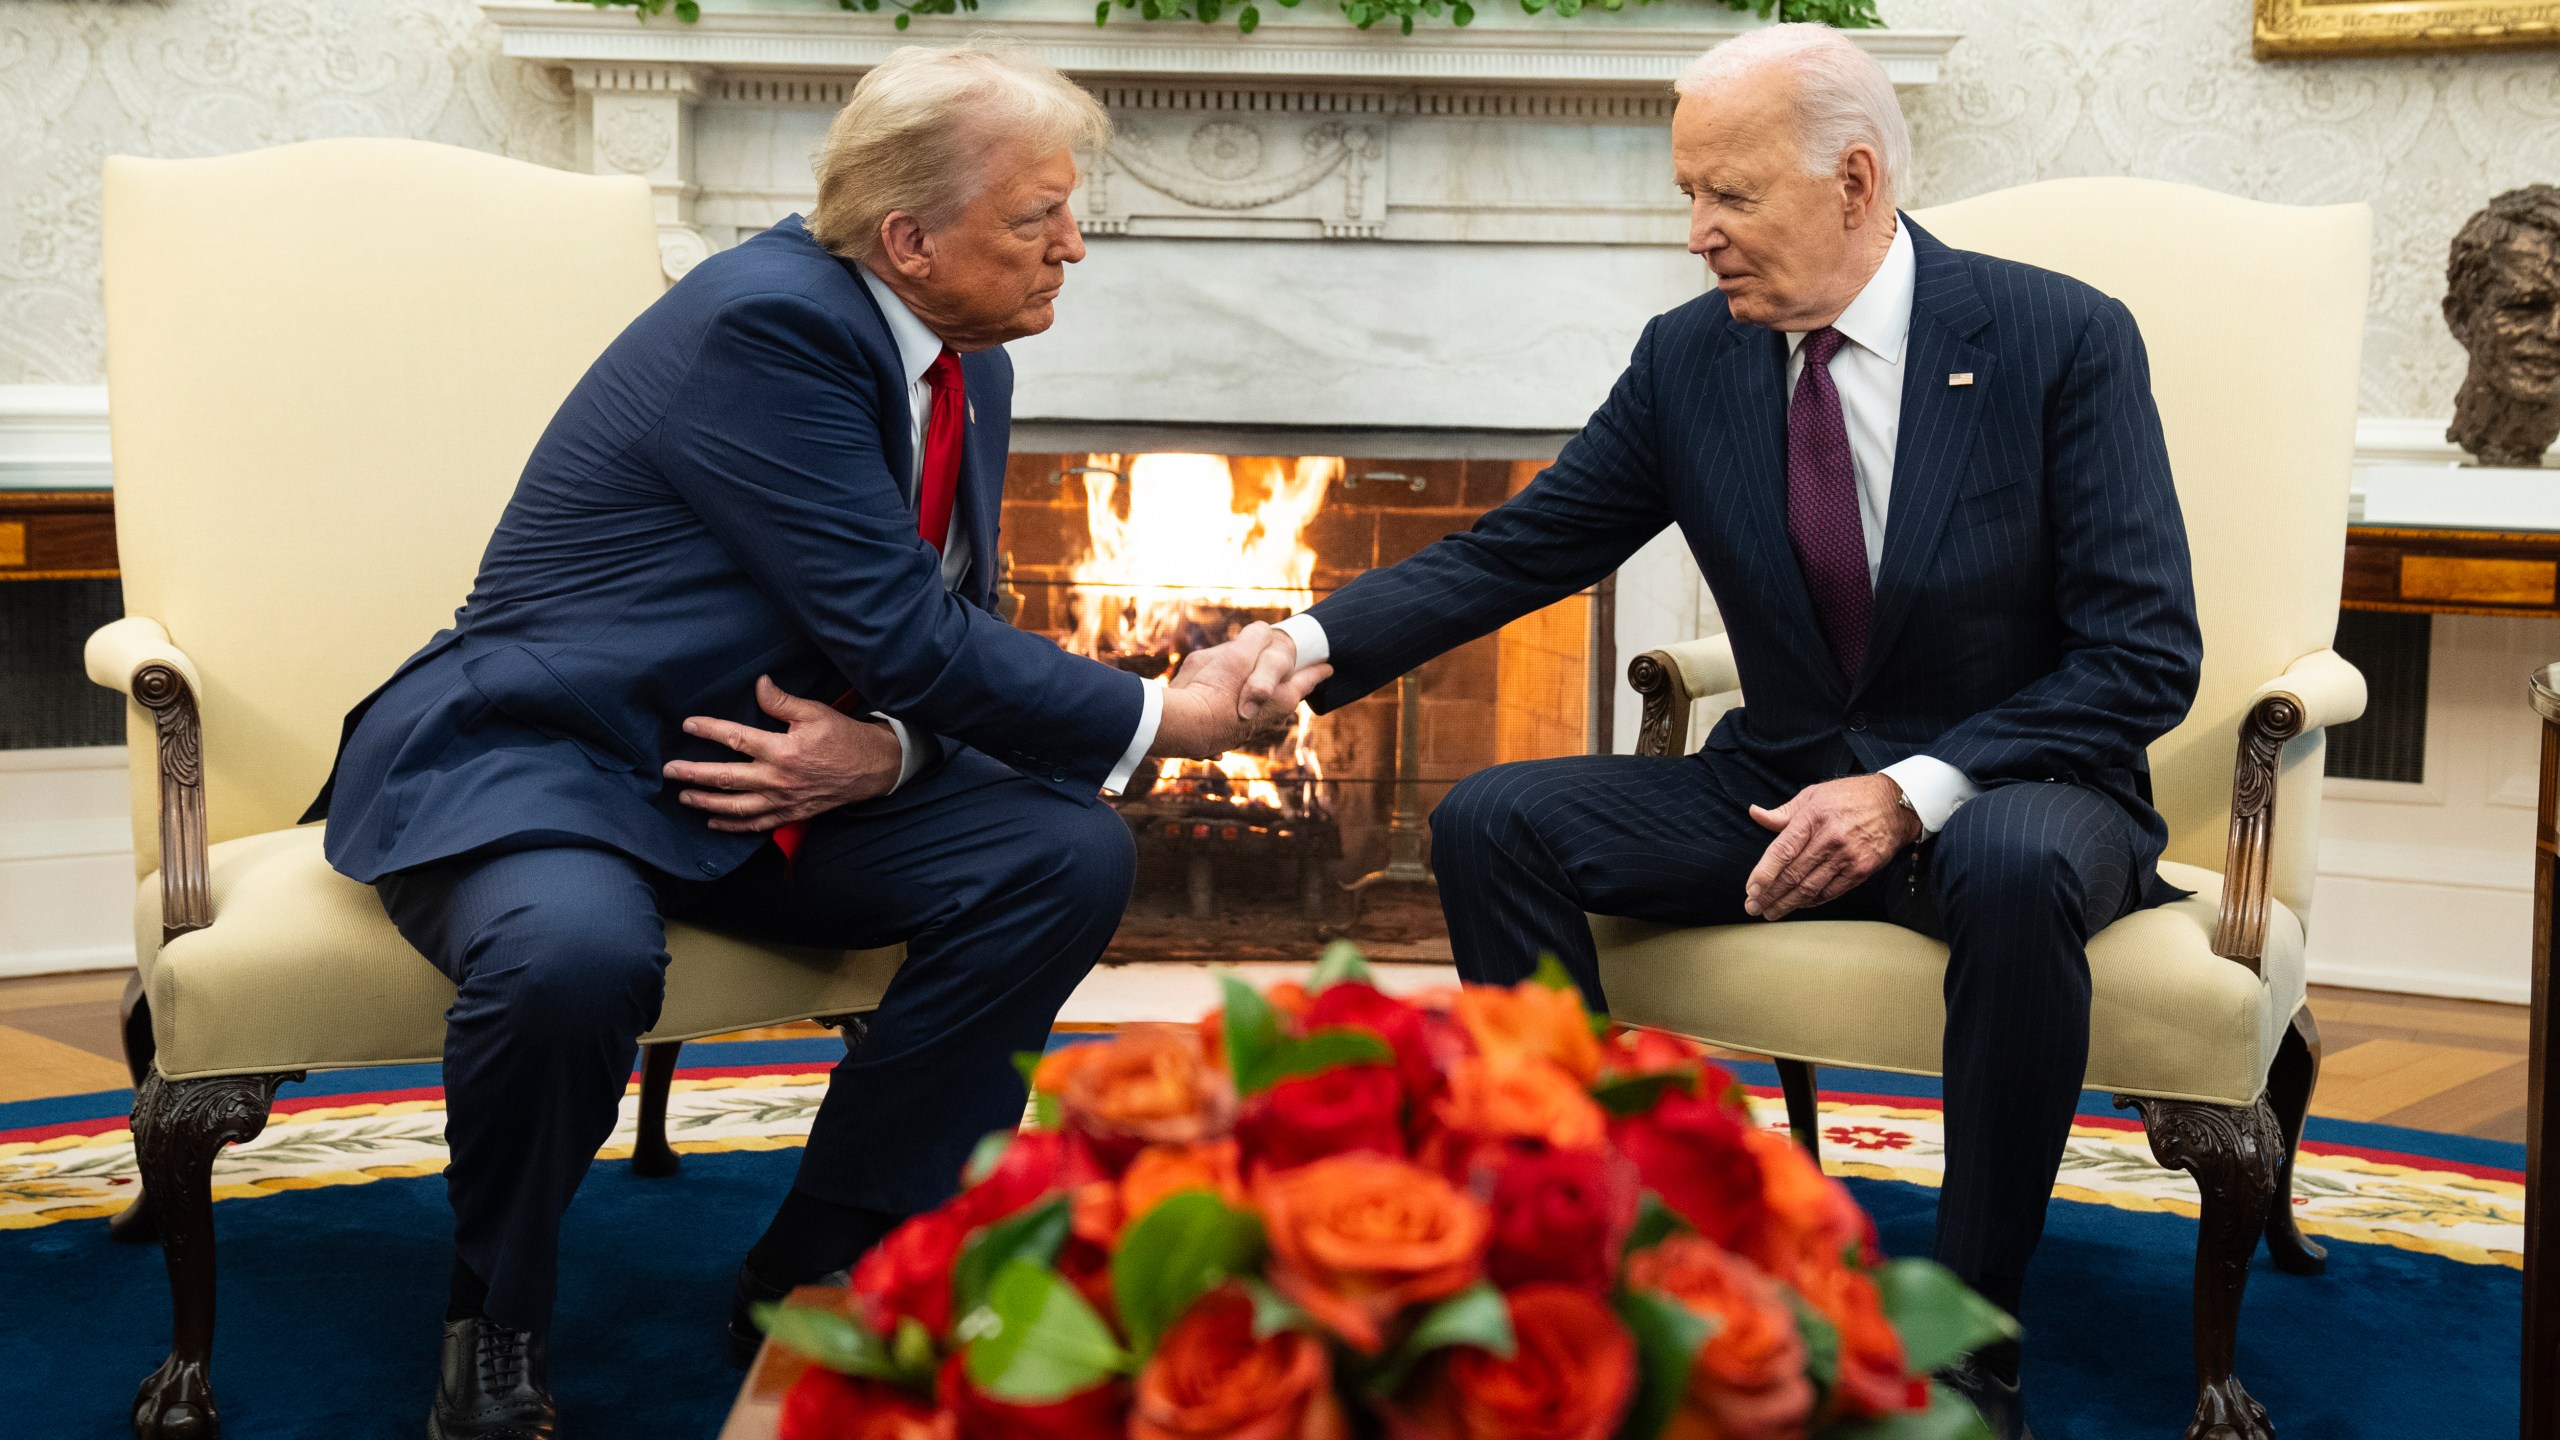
(1230, 694)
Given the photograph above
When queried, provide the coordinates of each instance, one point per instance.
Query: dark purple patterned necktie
(1822, 506)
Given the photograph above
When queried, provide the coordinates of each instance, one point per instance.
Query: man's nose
(1069, 247)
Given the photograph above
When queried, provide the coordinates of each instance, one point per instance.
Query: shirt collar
(918, 347)
(1879, 320)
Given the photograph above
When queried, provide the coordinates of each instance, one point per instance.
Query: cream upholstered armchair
(326, 365)
(2253, 315)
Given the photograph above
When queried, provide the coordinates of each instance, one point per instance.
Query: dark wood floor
(2455, 1066)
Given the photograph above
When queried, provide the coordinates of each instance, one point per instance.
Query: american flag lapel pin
(1960, 377)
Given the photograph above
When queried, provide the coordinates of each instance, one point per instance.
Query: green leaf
(1668, 1336)
(1637, 1094)
(1342, 961)
(988, 1154)
(1033, 1234)
(687, 11)
(1655, 1223)
(1248, 20)
(1551, 971)
(901, 21)
(1938, 1316)
(1821, 1345)
(911, 1349)
(1252, 1032)
(1463, 13)
(1322, 1051)
(1273, 1312)
(834, 1340)
(1036, 1340)
(1102, 12)
(1949, 1417)
(1474, 1316)
(1026, 1063)
(1177, 1252)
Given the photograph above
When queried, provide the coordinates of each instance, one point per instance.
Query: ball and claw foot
(176, 1403)
(2226, 1411)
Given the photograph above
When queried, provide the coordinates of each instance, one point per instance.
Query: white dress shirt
(1868, 372)
(918, 348)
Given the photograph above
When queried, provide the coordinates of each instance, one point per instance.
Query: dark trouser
(2015, 884)
(1004, 891)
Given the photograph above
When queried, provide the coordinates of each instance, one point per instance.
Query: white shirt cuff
(1935, 788)
(1150, 715)
(1308, 634)
(910, 754)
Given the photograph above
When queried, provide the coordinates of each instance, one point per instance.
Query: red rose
(909, 1273)
(1874, 1379)
(1571, 1376)
(1695, 1152)
(1100, 1413)
(1632, 1051)
(823, 1405)
(1355, 1006)
(1561, 1216)
(1037, 1163)
(1307, 1117)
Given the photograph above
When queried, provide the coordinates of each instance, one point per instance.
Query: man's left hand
(825, 759)
(1831, 837)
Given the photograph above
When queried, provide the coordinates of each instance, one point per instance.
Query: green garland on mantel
(1846, 14)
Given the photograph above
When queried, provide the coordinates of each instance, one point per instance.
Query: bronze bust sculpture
(2502, 298)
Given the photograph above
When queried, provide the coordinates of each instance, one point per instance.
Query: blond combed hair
(917, 134)
(1843, 97)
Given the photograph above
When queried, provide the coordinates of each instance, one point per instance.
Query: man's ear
(905, 247)
(1860, 188)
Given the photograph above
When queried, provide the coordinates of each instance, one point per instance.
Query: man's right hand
(1220, 699)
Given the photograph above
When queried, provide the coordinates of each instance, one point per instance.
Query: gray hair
(917, 132)
(1843, 98)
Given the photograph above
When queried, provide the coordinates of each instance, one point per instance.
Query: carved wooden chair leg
(2234, 1155)
(2290, 1082)
(1804, 1106)
(178, 1128)
(651, 1155)
(139, 1222)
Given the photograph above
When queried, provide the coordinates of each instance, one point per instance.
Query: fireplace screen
(1137, 559)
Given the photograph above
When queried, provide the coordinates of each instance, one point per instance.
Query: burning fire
(1177, 566)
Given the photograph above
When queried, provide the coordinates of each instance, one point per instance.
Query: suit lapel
(1750, 377)
(889, 372)
(1934, 444)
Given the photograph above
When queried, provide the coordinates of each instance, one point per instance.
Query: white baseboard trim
(2402, 980)
(66, 962)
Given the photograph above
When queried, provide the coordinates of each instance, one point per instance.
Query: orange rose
(1212, 1380)
(1633, 1051)
(1530, 1020)
(1499, 1099)
(1149, 1086)
(1570, 1377)
(1749, 1382)
(1356, 1238)
(1809, 1220)
(1874, 1380)
(1103, 1210)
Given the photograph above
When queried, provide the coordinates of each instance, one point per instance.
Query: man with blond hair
(1930, 493)
(764, 526)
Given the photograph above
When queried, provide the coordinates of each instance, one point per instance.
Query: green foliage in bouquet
(1844, 14)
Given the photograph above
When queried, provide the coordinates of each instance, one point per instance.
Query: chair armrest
(2317, 691)
(134, 655)
(1672, 679)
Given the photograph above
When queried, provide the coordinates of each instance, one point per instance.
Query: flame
(1165, 568)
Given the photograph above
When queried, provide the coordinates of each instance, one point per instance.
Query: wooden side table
(57, 535)
(2542, 1121)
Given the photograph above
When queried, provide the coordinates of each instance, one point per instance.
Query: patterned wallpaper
(2040, 88)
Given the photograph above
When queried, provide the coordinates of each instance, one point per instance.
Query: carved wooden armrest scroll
(186, 871)
(1665, 729)
(2240, 933)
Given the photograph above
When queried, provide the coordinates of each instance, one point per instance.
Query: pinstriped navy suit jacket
(2034, 614)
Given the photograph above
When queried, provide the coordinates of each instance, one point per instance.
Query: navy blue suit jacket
(721, 497)
(2034, 614)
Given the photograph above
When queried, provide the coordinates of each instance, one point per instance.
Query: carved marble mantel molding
(1516, 129)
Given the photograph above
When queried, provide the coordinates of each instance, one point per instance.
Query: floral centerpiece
(1473, 1214)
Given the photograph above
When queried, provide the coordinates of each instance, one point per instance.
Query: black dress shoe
(753, 1290)
(496, 1385)
(2001, 1406)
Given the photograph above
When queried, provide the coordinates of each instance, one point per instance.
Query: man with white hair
(775, 495)
(1929, 491)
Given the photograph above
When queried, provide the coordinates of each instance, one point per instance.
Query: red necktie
(937, 486)
(1822, 506)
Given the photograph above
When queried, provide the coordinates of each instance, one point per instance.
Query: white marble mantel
(1311, 225)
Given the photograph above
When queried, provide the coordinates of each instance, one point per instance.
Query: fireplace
(1139, 557)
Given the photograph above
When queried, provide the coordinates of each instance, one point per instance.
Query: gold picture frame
(2289, 29)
